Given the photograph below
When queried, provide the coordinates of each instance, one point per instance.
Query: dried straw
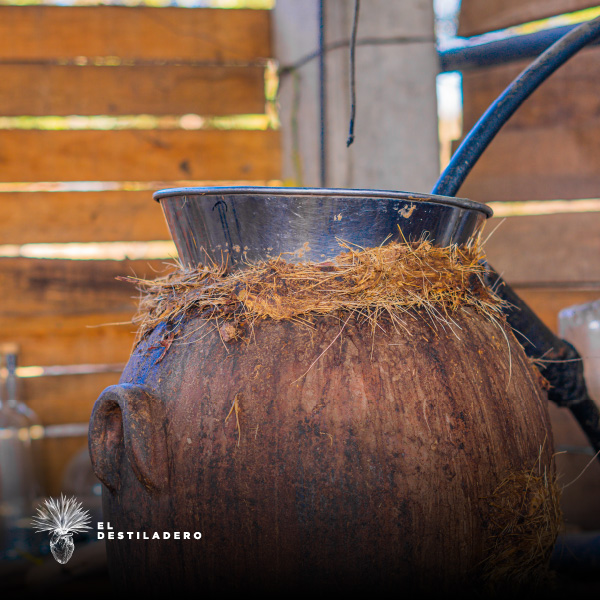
(525, 519)
(393, 280)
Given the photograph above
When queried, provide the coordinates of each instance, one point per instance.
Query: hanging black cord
(322, 95)
(353, 75)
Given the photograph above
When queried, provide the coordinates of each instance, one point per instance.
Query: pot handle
(132, 418)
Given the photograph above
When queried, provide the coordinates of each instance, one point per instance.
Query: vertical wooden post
(396, 140)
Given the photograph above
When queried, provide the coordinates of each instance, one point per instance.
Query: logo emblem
(62, 518)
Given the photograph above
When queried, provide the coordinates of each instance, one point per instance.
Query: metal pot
(372, 471)
(247, 224)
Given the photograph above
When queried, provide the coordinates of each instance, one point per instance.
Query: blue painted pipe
(506, 104)
(465, 54)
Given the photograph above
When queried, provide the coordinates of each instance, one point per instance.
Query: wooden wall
(113, 61)
(479, 17)
(549, 150)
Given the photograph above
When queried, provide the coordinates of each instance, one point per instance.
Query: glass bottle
(580, 325)
(20, 431)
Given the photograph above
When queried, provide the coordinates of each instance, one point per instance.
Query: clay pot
(348, 461)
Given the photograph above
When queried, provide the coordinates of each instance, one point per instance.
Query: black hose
(559, 362)
(564, 371)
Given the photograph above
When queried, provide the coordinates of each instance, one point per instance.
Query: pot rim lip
(326, 192)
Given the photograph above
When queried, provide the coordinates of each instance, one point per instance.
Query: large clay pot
(372, 466)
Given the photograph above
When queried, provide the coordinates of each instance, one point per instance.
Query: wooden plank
(547, 302)
(86, 339)
(546, 248)
(478, 17)
(218, 36)
(138, 155)
(569, 96)
(580, 500)
(64, 399)
(69, 287)
(154, 90)
(57, 453)
(72, 339)
(86, 217)
(484, 186)
(565, 429)
(547, 149)
(542, 164)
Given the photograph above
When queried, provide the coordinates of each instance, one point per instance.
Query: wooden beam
(547, 149)
(569, 97)
(91, 339)
(63, 217)
(63, 312)
(71, 339)
(138, 155)
(57, 288)
(549, 163)
(130, 33)
(578, 474)
(154, 90)
(478, 17)
(56, 455)
(64, 399)
(546, 248)
(547, 302)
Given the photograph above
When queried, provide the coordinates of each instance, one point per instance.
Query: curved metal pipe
(506, 104)
(467, 54)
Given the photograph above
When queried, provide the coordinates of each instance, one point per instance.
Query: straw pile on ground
(390, 281)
